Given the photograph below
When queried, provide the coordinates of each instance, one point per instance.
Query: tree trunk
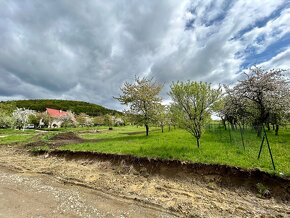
(162, 128)
(259, 131)
(147, 129)
(268, 126)
(233, 126)
(276, 129)
(197, 142)
(224, 124)
(169, 128)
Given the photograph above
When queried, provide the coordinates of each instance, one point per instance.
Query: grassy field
(217, 146)
(10, 136)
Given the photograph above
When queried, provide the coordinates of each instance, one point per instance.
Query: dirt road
(52, 186)
(34, 195)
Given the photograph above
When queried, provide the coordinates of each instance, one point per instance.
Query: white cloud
(85, 51)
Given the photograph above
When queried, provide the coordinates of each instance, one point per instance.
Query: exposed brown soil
(66, 136)
(185, 190)
(221, 175)
(56, 141)
(59, 140)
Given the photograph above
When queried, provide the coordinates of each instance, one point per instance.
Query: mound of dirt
(66, 136)
(36, 144)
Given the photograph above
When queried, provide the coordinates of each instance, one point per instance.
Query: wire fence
(246, 135)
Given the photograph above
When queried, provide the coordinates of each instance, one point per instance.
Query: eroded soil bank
(178, 192)
(222, 175)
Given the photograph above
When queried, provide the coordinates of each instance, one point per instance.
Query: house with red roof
(55, 113)
(57, 117)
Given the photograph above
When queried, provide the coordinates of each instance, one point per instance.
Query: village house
(57, 117)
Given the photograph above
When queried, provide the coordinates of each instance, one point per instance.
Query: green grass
(12, 136)
(117, 132)
(216, 147)
(16, 131)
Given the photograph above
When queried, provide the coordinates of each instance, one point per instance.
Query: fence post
(268, 144)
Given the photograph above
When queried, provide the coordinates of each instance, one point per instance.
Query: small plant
(263, 191)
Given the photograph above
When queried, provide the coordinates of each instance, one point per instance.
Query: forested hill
(74, 106)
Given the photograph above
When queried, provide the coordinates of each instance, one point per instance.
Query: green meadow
(218, 146)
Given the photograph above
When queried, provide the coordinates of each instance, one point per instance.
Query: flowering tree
(21, 117)
(68, 120)
(263, 97)
(84, 120)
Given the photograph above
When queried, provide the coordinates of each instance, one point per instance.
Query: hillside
(75, 106)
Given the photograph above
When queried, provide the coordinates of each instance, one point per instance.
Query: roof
(55, 113)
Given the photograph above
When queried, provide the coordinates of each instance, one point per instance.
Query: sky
(86, 50)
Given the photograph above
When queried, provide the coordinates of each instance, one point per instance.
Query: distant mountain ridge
(74, 106)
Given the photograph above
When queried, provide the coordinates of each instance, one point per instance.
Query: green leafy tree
(108, 120)
(143, 98)
(6, 120)
(44, 119)
(172, 120)
(161, 116)
(34, 119)
(99, 121)
(192, 105)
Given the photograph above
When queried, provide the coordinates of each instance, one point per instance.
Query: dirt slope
(181, 194)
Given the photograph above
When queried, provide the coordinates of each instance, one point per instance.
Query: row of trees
(262, 98)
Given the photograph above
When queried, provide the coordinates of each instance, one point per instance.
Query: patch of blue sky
(225, 7)
(252, 57)
(189, 24)
(222, 12)
(262, 22)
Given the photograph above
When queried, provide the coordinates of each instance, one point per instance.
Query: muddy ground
(159, 194)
